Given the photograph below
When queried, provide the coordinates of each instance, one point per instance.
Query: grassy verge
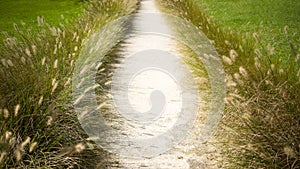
(271, 20)
(38, 126)
(260, 126)
(24, 12)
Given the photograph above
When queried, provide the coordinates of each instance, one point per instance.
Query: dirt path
(150, 89)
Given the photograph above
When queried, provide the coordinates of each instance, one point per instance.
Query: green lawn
(27, 11)
(266, 17)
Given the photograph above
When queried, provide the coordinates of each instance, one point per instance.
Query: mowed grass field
(27, 11)
(270, 19)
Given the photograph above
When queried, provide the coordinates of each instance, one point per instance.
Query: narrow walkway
(159, 94)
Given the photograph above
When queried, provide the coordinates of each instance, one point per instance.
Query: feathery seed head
(238, 78)
(32, 146)
(24, 143)
(107, 83)
(23, 60)
(297, 57)
(43, 60)
(233, 54)
(16, 27)
(246, 116)
(18, 155)
(72, 63)
(3, 154)
(17, 108)
(59, 45)
(280, 71)
(243, 72)
(241, 48)
(268, 82)
(5, 113)
(289, 151)
(55, 50)
(8, 134)
(257, 63)
(53, 81)
(227, 60)
(55, 65)
(54, 87)
(4, 63)
(41, 100)
(33, 47)
(227, 43)
(269, 72)
(67, 82)
(39, 20)
(27, 52)
(271, 49)
(255, 35)
(258, 53)
(272, 67)
(49, 121)
(79, 147)
(10, 63)
(286, 30)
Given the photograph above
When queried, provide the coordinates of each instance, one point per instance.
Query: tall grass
(260, 125)
(38, 126)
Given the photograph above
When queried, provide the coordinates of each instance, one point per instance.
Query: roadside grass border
(260, 125)
(38, 126)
